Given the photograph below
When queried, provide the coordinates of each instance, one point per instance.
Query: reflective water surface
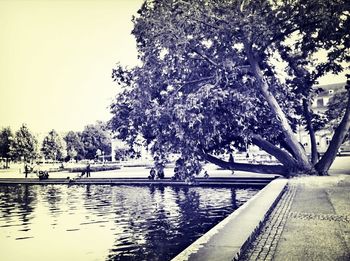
(95, 222)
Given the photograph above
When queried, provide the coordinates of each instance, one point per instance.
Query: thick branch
(194, 82)
(212, 62)
(340, 132)
(273, 104)
(256, 168)
(281, 155)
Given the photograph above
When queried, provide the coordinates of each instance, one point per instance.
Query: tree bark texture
(282, 156)
(299, 152)
(256, 168)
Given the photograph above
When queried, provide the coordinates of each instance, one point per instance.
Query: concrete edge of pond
(231, 236)
(228, 181)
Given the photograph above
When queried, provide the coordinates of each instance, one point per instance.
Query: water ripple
(114, 222)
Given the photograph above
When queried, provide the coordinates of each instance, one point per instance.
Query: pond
(96, 222)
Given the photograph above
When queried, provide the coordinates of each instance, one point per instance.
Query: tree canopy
(218, 75)
(6, 143)
(74, 145)
(95, 137)
(53, 146)
(25, 144)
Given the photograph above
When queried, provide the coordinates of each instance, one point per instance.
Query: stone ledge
(230, 237)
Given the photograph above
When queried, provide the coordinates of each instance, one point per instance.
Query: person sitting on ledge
(70, 180)
(152, 174)
(160, 174)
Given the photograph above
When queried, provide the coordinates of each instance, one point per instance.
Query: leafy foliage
(199, 88)
(53, 146)
(74, 146)
(6, 143)
(24, 145)
(95, 137)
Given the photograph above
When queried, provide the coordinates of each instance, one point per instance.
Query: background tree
(336, 108)
(94, 137)
(121, 154)
(218, 75)
(74, 146)
(24, 145)
(52, 146)
(6, 143)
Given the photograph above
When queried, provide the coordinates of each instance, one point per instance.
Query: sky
(56, 59)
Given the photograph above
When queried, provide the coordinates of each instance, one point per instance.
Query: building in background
(320, 106)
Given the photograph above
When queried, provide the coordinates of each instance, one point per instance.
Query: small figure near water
(26, 169)
(82, 174)
(160, 174)
(88, 170)
(152, 174)
(232, 160)
(70, 180)
(42, 174)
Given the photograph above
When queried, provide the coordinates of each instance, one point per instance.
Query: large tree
(6, 143)
(96, 137)
(24, 145)
(53, 146)
(74, 146)
(218, 75)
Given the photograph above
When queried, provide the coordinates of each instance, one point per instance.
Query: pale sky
(56, 59)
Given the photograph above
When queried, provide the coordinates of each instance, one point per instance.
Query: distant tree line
(23, 145)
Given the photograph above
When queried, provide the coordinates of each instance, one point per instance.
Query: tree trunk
(256, 168)
(299, 152)
(340, 132)
(282, 156)
(307, 114)
(285, 146)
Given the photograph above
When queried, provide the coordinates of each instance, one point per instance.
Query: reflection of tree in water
(53, 198)
(87, 192)
(192, 219)
(22, 197)
(27, 203)
(164, 234)
(159, 231)
(234, 198)
(98, 198)
(145, 230)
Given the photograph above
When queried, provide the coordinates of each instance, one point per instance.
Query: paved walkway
(310, 222)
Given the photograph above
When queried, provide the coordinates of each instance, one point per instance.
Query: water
(95, 222)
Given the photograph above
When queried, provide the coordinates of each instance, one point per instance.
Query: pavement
(310, 222)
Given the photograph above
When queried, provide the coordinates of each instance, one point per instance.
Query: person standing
(88, 170)
(232, 160)
(26, 170)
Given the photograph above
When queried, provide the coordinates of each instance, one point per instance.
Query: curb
(228, 239)
(232, 181)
